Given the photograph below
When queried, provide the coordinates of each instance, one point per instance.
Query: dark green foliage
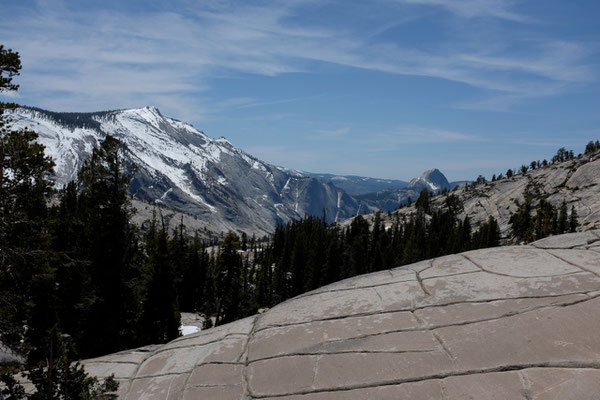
(528, 226)
(23, 234)
(592, 147)
(111, 248)
(573, 223)
(488, 234)
(55, 376)
(10, 65)
(562, 155)
(160, 318)
(423, 202)
(229, 281)
(306, 254)
(30, 271)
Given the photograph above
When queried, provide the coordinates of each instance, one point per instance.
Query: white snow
(166, 193)
(188, 329)
(339, 178)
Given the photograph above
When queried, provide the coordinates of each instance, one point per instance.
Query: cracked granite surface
(502, 323)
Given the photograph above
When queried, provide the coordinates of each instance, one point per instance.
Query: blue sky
(383, 88)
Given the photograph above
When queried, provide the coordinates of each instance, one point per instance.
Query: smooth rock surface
(503, 323)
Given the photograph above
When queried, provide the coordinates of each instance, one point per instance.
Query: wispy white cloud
(474, 8)
(104, 59)
(336, 133)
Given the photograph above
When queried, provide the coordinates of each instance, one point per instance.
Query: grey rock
(503, 323)
(577, 182)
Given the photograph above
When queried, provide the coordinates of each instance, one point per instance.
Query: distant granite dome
(508, 323)
(432, 180)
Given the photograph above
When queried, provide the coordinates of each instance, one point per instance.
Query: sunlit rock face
(502, 323)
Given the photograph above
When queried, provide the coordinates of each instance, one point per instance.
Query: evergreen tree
(423, 202)
(562, 224)
(28, 281)
(160, 318)
(573, 223)
(229, 266)
(113, 250)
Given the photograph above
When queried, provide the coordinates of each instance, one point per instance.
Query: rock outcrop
(501, 323)
(577, 182)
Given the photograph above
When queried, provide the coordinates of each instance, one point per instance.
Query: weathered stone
(492, 386)
(567, 241)
(282, 375)
(298, 338)
(461, 313)
(504, 323)
(517, 263)
(449, 265)
(224, 374)
(563, 383)
(214, 393)
(426, 390)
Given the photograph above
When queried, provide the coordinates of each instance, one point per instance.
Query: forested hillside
(538, 199)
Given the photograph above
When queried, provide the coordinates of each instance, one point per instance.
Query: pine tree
(229, 265)
(28, 282)
(113, 249)
(573, 223)
(562, 218)
(160, 319)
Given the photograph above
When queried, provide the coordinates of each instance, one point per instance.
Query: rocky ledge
(503, 323)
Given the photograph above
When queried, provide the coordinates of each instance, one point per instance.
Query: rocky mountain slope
(577, 182)
(507, 323)
(183, 169)
(209, 182)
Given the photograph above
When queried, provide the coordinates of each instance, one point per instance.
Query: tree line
(530, 223)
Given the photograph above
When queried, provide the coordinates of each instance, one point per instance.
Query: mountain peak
(432, 179)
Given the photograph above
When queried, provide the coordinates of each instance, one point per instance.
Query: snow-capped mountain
(210, 180)
(182, 168)
(431, 179)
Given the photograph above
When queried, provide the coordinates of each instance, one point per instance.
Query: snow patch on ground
(188, 329)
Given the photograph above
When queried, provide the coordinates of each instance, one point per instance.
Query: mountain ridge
(184, 169)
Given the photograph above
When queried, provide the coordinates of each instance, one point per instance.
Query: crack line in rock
(486, 370)
(185, 372)
(107, 362)
(319, 355)
(526, 390)
(199, 344)
(406, 280)
(224, 338)
(408, 310)
(446, 349)
(573, 264)
(515, 276)
(421, 322)
(315, 371)
(246, 363)
(137, 370)
(443, 389)
(435, 327)
(423, 288)
(450, 275)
